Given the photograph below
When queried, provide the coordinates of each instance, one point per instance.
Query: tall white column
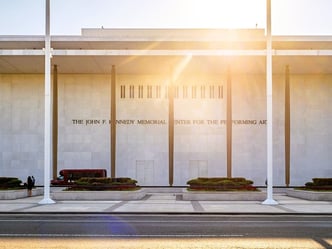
(47, 129)
(269, 200)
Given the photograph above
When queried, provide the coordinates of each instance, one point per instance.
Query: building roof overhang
(157, 51)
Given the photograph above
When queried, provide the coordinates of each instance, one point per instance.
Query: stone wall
(21, 126)
(142, 126)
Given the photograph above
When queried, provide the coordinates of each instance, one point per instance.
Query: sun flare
(226, 14)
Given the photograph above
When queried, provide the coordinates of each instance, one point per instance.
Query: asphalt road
(274, 226)
(66, 231)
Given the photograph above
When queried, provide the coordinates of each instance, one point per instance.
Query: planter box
(310, 195)
(18, 193)
(99, 195)
(223, 196)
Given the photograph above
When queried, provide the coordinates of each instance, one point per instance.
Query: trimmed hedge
(104, 183)
(105, 180)
(221, 184)
(10, 182)
(319, 184)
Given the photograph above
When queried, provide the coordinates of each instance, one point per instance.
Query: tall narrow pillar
(287, 127)
(55, 122)
(269, 200)
(113, 121)
(229, 123)
(170, 133)
(47, 125)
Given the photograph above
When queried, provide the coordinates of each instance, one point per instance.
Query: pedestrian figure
(29, 185)
(33, 181)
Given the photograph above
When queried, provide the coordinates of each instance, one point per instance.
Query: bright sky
(289, 17)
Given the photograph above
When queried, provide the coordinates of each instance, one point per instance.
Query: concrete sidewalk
(169, 201)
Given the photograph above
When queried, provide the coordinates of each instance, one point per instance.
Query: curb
(168, 213)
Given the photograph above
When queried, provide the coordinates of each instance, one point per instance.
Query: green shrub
(322, 181)
(220, 183)
(309, 184)
(105, 181)
(103, 184)
(10, 182)
(319, 184)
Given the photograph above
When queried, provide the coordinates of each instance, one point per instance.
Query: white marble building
(200, 91)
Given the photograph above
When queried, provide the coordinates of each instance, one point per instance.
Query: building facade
(166, 106)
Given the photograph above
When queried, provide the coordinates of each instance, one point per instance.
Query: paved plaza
(169, 201)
